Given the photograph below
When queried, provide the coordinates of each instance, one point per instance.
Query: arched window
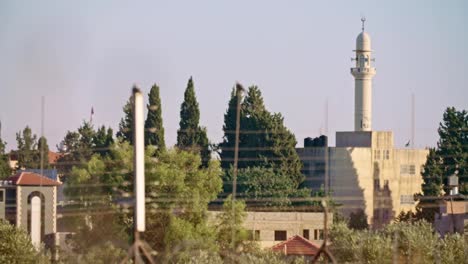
(36, 208)
(362, 61)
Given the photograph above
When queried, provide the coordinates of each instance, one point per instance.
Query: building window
(2, 199)
(404, 169)
(387, 154)
(318, 234)
(376, 183)
(385, 183)
(280, 235)
(377, 154)
(408, 169)
(253, 235)
(305, 233)
(406, 199)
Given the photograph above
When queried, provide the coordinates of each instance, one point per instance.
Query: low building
(270, 228)
(28, 201)
(297, 246)
(452, 216)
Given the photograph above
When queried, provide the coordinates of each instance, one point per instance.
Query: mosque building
(365, 171)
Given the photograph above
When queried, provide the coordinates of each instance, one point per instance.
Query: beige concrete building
(270, 228)
(365, 171)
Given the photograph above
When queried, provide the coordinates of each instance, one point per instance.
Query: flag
(407, 144)
(92, 113)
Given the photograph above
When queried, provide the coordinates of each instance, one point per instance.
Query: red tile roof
(30, 178)
(297, 245)
(53, 157)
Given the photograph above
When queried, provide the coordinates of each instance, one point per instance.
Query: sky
(84, 54)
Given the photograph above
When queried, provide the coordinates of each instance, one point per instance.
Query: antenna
(413, 119)
(326, 117)
(363, 20)
(42, 136)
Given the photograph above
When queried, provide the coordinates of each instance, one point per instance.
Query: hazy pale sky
(83, 54)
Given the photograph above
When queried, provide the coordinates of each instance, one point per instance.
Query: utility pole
(239, 90)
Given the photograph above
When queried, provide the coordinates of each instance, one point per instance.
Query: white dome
(363, 42)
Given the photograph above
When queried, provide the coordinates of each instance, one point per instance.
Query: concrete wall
(49, 193)
(294, 223)
(314, 160)
(2, 202)
(379, 179)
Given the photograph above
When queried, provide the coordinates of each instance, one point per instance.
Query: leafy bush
(16, 246)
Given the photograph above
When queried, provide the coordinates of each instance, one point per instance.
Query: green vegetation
(16, 246)
(401, 242)
(191, 136)
(126, 123)
(450, 156)
(154, 129)
(29, 155)
(5, 170)
(79, 146)
(264, 140)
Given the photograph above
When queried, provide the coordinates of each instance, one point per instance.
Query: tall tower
(363, 73)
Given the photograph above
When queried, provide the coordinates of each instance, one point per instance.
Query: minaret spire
(363, 73)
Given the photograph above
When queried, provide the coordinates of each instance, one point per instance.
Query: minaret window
(362, 61)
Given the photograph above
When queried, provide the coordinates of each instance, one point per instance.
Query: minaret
(363, 73)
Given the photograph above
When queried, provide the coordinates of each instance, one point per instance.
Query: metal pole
(239, 90)
(139, 170)
(325, 228)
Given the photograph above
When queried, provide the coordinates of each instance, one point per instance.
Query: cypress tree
(229, 128)
(126, 123)
(154, 130)
(190, 135)
(264, 140)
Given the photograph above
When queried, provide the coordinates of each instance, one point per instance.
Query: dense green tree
(5, 169)
(184, 187)
(154, 129)
(103, 139)
(29, 149)
(27, 146)
(79, 146)
(190, 135)
(264, 140)
(126, 123)
(450, 156)
(226, 148)
(176, 182)
(16, 246)
(262, 186)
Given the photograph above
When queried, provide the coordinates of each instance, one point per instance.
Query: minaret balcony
(362, 71)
